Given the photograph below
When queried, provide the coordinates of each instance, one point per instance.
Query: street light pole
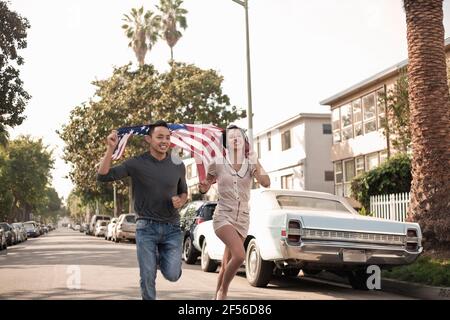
(249, 80)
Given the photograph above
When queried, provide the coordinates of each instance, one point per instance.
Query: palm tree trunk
(171, 54)
(430, 120)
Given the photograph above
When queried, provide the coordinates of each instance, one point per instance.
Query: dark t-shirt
(154, 183)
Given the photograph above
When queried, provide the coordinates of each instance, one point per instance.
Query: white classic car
(313, 231)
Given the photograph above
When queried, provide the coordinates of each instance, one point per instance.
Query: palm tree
(430, 120)
(142, 30)
(172, 17)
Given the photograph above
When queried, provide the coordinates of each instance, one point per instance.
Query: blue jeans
(157, 243)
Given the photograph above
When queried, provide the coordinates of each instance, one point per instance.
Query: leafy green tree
(190, 94)
(51, 207)
(13, 97)
(6, 196)
(27, 172)
(397, 123)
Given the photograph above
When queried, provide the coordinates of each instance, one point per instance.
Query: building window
(338, 175)
(193, 190)
(326, 128)
(349, 174)
(347, 121)
(287, 182)
(383, 156)
(357, 117)
(336, 125)
(286, 140)
(329, 175)
(381, 108)
(371, 161)
(189, 171)
(369, 110)
(359, 165)
(269, 141)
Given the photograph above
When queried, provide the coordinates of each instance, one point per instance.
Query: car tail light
(412, 241)
(411, 233)
(294, 231)
(283, 232)
(294, 224)
(199, 220)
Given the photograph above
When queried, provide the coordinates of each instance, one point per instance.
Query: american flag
(202, 141)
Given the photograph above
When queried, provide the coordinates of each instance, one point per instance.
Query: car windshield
(307, 203)
(28, 226)
(103, 223)
(208, 211)
(131, 219)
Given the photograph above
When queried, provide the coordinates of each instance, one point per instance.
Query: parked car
(10, 233)
(3, 241)
(125, 228)
(313, 231)
(110, 228)
(31, 229)
(100, 228)
(77, 227)
(22, 233)
(84, 227)
(44, 229)
(93, 222)
(191, 215)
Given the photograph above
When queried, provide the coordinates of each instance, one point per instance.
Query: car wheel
(258, 271)
(189, 253)
(311, 272)
(291, 272)
(207, 264)
(358, 279)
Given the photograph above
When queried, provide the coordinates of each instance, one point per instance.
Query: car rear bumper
(327, 252)
(122, 234)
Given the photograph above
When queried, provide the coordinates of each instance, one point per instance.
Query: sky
(301, 53)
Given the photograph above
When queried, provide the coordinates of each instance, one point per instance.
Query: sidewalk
(419, 291)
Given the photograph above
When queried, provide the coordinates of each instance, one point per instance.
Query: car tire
(190, 254)
(258, 271)
(311, 272)
(358, 279)
(291, 272)
(207, 264)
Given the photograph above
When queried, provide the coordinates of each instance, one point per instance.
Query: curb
(408, 289)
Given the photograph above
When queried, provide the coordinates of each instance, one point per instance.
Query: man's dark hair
(159, 123)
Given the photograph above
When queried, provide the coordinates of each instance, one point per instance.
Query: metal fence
(390, 206)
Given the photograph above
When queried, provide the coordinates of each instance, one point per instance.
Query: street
(67, 264)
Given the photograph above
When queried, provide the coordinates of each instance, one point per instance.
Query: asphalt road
(67, 264)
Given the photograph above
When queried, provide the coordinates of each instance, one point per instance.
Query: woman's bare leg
(235, 244)
(225, 259)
